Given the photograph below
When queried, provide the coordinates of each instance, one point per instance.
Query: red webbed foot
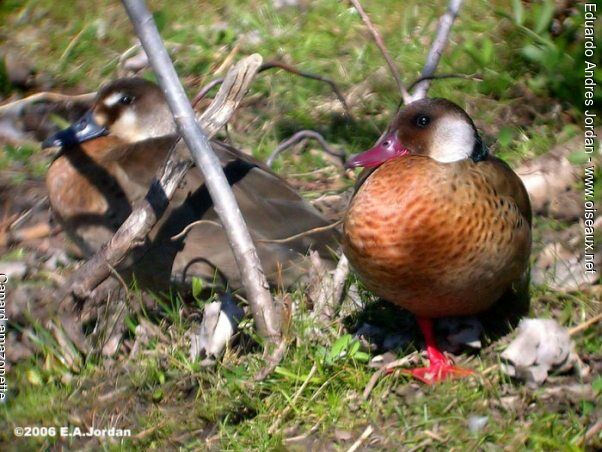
(439, 372)
(440, 368)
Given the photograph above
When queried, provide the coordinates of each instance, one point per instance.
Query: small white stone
(13, 269)
(477, 423)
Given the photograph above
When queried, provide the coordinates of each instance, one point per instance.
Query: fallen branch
(381, 46)
(437, 47)
(303, 135)
(254, 281)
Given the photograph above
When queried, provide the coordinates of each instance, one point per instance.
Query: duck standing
(107, 162)
(437, 226)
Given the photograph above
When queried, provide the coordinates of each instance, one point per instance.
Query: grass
(173, 402)
(315, 394)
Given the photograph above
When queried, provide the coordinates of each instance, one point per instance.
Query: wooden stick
(253, 278)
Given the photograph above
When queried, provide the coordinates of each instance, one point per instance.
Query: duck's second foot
(440, 367)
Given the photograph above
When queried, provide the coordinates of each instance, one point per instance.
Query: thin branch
(205, 90)
(274, 358)
(585, 325)
(319, 78)
(381, 46)
(475, 77)
(288, 68)
(302, 135)
(437, 47)
(294, 237)
(46, 96)
(253, 278)
(187, 229)
(363, 437)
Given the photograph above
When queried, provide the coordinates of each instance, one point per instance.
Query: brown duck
(107, 162)
(437, 226)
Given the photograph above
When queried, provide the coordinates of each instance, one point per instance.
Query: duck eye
(126, 100)
(422, 121)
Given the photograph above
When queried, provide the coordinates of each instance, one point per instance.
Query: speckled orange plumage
(438, 238)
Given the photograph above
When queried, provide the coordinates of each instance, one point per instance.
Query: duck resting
(437, 225)
(107, 162)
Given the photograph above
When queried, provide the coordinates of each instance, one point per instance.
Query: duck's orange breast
(439, 238)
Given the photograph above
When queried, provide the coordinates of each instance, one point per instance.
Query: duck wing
(273, 210)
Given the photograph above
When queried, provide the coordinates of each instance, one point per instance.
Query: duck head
(436, 128)
(129, 109)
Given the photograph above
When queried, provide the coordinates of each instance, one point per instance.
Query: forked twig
(420, 87)
(437, 47)
(381, 46)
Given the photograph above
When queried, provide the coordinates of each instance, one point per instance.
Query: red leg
(439, 367)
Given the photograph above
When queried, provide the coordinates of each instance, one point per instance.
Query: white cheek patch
(112, 99)
(126, 126)
(453, 139)
(127, 118)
